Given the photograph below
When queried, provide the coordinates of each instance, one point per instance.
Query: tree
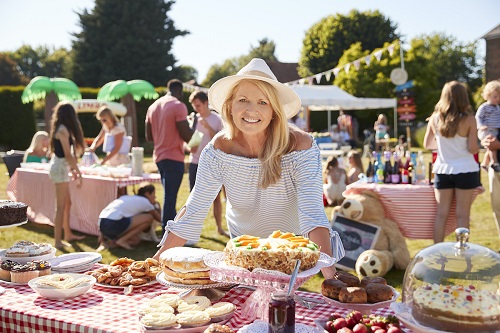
(125, 39)
(326, 41)
(41, 61)
(9, 72)
(186, 73)
(265, 50)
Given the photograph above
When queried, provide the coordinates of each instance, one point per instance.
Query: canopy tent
(331, 98)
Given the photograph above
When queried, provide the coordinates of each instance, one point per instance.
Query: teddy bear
(390, 249)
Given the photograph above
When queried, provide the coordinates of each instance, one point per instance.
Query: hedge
(17, 120)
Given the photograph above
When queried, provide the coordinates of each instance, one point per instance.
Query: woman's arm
(118, 144)
(430, 136)
(99, 139)
(472, 140)
(321, 236)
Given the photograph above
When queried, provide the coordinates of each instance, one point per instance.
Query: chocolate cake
(12, 212)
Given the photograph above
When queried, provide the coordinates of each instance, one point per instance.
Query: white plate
(260, 326)
(25, 260)
(178, 328)
(13, 225)
(77, 259)
(363, 307)
(54, 293)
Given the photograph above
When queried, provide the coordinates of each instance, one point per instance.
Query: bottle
(396, 172)
(421, 169)
(281, 313)
(369, 172)
(387, 167)
(379, 169)
(413, 165)
(406, 170)
(375, 166)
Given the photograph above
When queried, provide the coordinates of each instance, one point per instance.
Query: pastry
(278, 252)
(218, 328)
(154, 307)
(220, 309)
(43, 267)
(352, 295)
(378, 292)
(184, 265)
(347, 278)
(12, 212)
(331, 288)
(23, 273)
(367, 280)
(5, 268)
(193, 318)
(456, 308)
(170, 299)
(193, 303)
(159, 320)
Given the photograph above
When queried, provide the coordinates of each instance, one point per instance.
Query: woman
(124, 218)
(110, 126)
(452, 130)
(271, 171)
(334, 179)
(38, 151)
(66, 143)
(381, 127)
(356, 166)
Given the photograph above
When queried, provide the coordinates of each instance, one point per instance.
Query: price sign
(406, 101)
(408, 108)
(407, 116)
(405, 123)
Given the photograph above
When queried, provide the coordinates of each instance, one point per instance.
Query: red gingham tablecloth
(35, 188)
(412, 207)
(103, 310)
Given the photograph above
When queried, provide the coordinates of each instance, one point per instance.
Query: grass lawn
(483, 232)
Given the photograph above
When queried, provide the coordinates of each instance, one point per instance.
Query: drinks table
(35, 188)
(412, 207)
(109, 310)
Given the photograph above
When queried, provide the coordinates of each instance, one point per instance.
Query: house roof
(284, 71)
(493, 34)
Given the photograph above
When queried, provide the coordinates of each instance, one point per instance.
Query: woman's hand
(76, 175)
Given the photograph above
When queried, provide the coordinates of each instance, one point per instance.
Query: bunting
(356, 63)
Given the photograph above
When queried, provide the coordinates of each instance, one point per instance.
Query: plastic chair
(12, 162)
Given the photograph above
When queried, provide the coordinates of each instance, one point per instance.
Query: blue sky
(222, 29)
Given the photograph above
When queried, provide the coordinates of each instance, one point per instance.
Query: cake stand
(212, 291)
(265, 281)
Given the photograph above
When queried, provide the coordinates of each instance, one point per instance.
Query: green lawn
(483, 232)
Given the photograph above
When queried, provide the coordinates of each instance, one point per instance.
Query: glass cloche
(454, 287)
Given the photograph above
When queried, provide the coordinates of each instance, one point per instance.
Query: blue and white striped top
(293, 204)
(488, 115)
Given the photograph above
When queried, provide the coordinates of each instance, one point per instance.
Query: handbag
(109, 144)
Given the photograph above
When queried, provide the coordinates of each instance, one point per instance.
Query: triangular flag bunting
(356, 64)
(302, 81)
(328, 75)
(390, 48)
(367, 60)
(347, 66)
(378, 54)
(318, 77)
(336, 71)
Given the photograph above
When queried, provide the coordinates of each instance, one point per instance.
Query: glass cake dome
(454, 287)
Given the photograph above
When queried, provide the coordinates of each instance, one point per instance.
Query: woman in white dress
(334, 182)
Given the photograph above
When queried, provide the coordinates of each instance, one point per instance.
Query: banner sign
(409, 108)
(407, 116)
(406, 101)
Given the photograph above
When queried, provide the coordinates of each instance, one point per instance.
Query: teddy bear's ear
(370, 193)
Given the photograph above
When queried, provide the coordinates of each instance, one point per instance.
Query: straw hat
(256, 69)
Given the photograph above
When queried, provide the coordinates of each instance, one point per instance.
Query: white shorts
(59, 170)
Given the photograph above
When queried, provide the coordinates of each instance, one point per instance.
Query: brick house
(492, 65)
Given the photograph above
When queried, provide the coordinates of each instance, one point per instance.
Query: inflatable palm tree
(128, 92)
(52, 90)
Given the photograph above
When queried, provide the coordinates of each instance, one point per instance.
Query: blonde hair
(279, 140)
(453, 106)
(36, 142)
(490, 88)
(104, 111)
(357, 159)
(382, 119)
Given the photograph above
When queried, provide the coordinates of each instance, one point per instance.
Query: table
(103, 310)
(412, 207)
(325, 153)
(35, 188)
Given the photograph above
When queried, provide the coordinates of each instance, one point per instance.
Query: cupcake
(157, 321)
(43, 267)
(5, 268)
(23, 273)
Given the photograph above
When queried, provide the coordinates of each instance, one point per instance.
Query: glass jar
(281, 313)
(454, 287)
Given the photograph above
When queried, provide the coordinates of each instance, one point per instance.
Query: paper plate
(67, 262)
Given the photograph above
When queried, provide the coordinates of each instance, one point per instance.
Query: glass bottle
(369, 172)
(396, 172)
(387, 167)
(281, 313)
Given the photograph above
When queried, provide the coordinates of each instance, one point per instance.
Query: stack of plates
(75, 262)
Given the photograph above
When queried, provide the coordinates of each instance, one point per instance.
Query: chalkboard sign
(356, 237)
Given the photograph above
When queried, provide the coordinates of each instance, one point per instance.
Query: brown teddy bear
(390, 249)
